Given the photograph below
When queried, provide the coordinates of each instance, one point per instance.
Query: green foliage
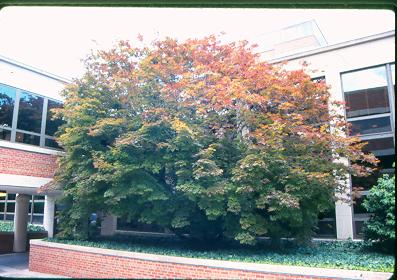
(342, 255)
(7, 226)
(380, 202)
(202, 139)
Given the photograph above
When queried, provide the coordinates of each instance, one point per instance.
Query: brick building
(28, 151)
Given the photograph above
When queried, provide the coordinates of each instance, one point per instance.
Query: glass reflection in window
(30, 112)
(51, 143)
(5, 134)
(52, 125)
(366, 92)
(7, 101)
(27, 139)
(371, 126)
(380, 146)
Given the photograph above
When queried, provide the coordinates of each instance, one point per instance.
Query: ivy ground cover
(7, 226)
(354, 255)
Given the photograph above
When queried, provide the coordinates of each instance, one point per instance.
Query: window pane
(10, 207)
(38, 208)
(30, 112)
(371, 126)
(52, 125)
(11, 196)
(37, 220)
(366, 183)
(386, 162)
(366, 92)
(10, 217)
(51, 143)
(359, 228)
(358, 207)
(329, 214)
(7, 100)
(367, 102)
(27, 139)
(5, 134)
(363, 79)
(124, 224)
(326, 229)
(319, 79)
(380, 147)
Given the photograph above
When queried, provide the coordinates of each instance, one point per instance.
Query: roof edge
(349, 43)
(36, 70)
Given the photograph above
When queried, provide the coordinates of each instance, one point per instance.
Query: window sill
(29, 148)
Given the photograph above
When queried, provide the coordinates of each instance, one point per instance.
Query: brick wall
(25, 163)
(87, 262)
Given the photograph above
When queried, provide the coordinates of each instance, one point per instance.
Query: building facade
(359, 72)
(28, 150)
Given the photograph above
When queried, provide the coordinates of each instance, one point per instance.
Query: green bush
(379, 229)
(8, 226)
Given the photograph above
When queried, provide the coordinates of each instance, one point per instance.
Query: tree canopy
(202, 138)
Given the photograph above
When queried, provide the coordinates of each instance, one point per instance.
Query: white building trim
(36, 70)
(29, 148)
(12, 182)
(335, 47)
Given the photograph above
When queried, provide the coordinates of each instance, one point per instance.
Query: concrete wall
(29, 80)
(331, 63)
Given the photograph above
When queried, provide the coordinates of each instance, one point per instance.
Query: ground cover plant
(8, 226)
(331, 254)
(202, 138)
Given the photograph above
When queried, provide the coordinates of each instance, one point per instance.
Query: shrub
(380, 228)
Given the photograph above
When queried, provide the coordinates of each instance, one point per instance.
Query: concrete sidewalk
(17, 266)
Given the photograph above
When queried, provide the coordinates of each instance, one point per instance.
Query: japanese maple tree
(203, 138)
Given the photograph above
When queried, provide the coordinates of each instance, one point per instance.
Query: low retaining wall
(87, 262)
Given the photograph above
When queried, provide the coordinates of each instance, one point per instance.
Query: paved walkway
(16, 266)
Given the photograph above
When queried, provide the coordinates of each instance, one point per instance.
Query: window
(380, 146)
(371, 126)
(51, 143)
(5, 134)
(52, 124)
(129, 225)
(36, 208)
(27, 138)
(326, 226)
(30, 112)
(368, 94)
(26, 117)
(7, 101)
